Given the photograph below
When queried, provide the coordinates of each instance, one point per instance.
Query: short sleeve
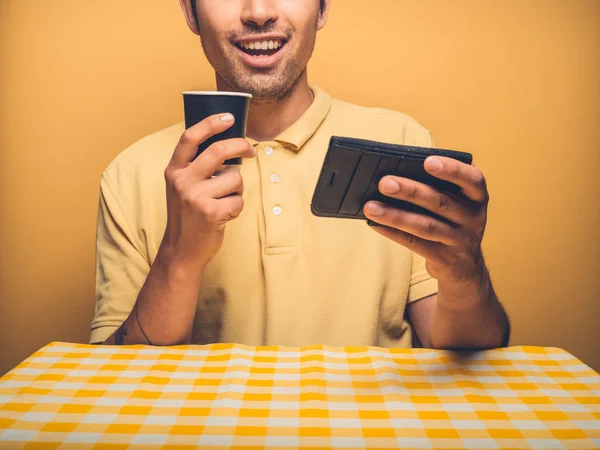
(121, 267)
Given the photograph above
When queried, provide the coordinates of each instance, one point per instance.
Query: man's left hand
(451, 247)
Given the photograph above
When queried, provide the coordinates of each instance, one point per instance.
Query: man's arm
(166, 305)
(199, 205)
(484, 326)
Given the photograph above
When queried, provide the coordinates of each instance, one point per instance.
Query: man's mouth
(261, 48)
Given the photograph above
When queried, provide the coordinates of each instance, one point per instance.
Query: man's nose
(258, 13)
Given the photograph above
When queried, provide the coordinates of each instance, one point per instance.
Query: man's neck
(267, 121)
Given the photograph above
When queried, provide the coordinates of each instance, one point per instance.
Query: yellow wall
(516, 83)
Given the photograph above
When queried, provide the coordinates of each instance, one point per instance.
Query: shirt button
(274, 177)
(277, 210)
(268, 151)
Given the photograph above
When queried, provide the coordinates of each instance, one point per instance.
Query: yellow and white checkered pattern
(71, 396)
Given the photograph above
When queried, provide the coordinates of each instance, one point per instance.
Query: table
(75, 396)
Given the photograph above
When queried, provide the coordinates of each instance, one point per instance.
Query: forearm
(165, 307)
(469, 316)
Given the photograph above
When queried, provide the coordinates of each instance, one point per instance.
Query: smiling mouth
(261, 48)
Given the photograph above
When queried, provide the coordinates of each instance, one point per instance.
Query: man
(238, 257)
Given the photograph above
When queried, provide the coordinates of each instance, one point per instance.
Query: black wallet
(353, 168)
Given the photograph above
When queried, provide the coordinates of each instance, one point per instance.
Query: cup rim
(215, 93)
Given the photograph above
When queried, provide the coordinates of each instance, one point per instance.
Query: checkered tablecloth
(73, 396)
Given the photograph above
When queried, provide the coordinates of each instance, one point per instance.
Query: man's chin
(272, 87)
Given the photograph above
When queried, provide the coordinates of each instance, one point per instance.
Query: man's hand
(451, 247)
(199, 204)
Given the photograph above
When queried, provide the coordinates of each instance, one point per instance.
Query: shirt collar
(296, 135)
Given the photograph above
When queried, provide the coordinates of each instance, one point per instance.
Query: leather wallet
(353, 168)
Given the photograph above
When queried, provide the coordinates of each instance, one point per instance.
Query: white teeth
(261, 45)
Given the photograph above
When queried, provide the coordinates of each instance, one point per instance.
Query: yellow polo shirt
(282, 276)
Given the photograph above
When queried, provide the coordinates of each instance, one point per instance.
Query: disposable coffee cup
(198, 105)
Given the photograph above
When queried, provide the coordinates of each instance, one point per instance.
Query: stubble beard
(265, 87)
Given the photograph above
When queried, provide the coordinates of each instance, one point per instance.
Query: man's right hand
(199, 204)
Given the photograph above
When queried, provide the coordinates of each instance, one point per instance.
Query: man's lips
(261, 53)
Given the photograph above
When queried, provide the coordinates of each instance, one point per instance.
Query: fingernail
(375, 209)
(434, 163)
(227, 117)
(390, 186)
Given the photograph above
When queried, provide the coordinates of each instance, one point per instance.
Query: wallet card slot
(386, 166)
(334, 181)
(353, 201)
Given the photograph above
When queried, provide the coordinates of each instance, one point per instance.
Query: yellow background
(516, 83)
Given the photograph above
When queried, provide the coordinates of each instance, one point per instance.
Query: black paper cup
(198, 105)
